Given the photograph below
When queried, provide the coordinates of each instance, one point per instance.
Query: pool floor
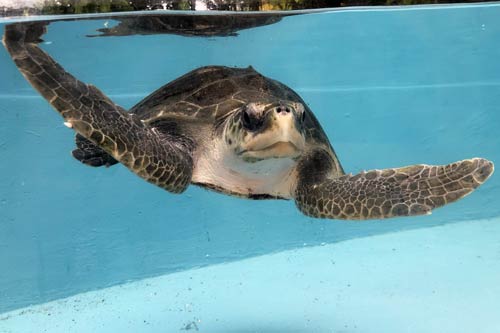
(440, 279)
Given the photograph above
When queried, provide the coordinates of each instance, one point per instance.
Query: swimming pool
(390, 86)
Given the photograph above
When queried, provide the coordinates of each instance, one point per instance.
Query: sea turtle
(234, 131)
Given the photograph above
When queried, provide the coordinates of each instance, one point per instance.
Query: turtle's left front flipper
(412, 190)
(162, 159)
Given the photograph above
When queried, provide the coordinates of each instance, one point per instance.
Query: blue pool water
(391, 87)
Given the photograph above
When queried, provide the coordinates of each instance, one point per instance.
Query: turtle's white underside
(218, 166)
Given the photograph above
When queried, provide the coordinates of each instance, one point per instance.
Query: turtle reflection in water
(236, 132)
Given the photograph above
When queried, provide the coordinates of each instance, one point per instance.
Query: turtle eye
(250, 121)
(246, 119)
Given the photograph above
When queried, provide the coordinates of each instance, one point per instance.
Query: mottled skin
(406, 191)
(237, 132)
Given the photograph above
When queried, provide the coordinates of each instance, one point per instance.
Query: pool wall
(391, 87)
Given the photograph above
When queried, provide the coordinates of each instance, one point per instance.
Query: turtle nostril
(283, 110)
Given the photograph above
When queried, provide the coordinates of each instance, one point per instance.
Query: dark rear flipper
(90, 154)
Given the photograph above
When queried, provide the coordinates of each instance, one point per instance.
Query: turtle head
(260, 131)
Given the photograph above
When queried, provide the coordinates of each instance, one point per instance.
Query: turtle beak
(280, 137)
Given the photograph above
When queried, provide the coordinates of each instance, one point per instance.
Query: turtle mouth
(280, 149)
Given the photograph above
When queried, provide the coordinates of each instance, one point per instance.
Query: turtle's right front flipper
(406, 191)
(162, 159)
